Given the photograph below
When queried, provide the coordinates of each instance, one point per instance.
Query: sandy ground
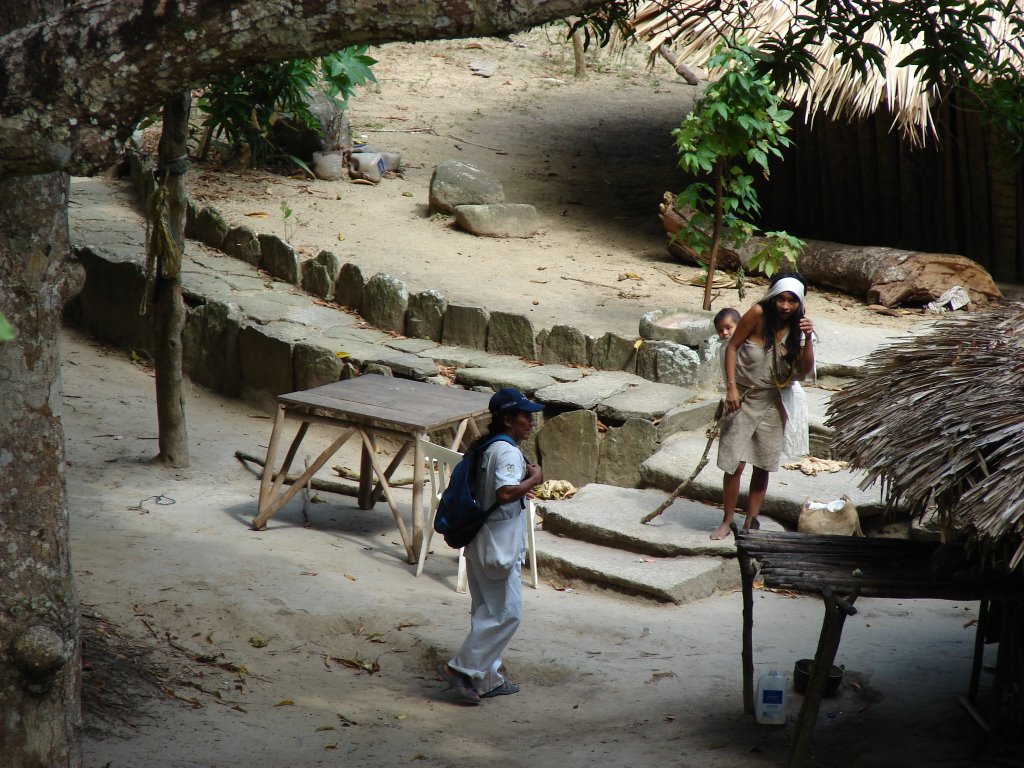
(301, 646)
(607, 679)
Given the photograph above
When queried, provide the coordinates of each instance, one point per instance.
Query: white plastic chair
(440, 463)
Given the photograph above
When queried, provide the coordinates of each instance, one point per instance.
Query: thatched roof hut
(938, 421)
(879, 158)
(835, 89)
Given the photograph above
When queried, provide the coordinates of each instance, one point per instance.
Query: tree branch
(73, 87)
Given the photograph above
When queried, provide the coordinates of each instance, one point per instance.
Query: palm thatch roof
(938, 420)
(836, 90)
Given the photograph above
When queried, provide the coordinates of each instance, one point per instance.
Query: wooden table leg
(836, 611)
(417, 491)
(392, 502)
(279, 501)
(268, 466)
(378, 491)
(366, 461)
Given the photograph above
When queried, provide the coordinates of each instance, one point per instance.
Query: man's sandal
(460, 682)
(504, 689)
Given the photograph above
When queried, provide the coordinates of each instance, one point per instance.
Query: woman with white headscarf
(769, 352)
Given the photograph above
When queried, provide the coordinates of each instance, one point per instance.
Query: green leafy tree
(738, 124)
(243, 108)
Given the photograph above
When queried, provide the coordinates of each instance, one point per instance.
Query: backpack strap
(502, 437)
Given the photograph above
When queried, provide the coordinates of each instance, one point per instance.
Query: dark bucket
(802, 675)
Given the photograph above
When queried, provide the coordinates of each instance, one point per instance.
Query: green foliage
(600, 24)
(243, 108)
(7, 332)
(737, 125)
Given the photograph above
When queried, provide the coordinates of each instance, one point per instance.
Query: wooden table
(371, 406)
(842, 569)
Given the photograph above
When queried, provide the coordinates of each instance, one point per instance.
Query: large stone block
(683, 326)
(108, 305)
(314, 366)
(455, 182)
(279, 258)
(348, 291)
(210, 347)
(320, 274)
(211, 228)
(613, 352)
(623, 450)
(587, 392)
(563, 344)
(711, 375)
(385, 300)
(668, 363)
(647, 401)
(568, 447)
(425, 317)
(244, 244)
(498, 219)
(511, 334)
(465, 325)
(525, 380)
(266, 355)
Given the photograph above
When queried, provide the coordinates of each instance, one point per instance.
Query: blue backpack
(459, 518)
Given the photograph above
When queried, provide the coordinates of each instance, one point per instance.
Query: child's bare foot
(721, 532)
(751, 524)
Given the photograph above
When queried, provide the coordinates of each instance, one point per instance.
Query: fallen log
(879, 275)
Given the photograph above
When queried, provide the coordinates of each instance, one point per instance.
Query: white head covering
(790, 284)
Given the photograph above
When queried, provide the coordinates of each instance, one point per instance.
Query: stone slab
(647, 401)
(523, 379)
(587, 392)
(412, 346)
(677, 580)
(694, 416)
(562, 372)
(459, 357)
(610, 516)
(787, 488)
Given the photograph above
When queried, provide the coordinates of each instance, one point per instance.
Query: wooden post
(392, 502)
(366, 473)
(268, 465)
(747, 571)
(836, 611)
(979, 652)
(417, 491)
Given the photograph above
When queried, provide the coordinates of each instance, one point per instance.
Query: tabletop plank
(375, 400)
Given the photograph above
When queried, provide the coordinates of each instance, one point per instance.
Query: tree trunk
(879, 275)
(716, 236)
(40, 664)
(168, 306)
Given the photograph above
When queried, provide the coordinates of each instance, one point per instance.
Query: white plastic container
(770, 702)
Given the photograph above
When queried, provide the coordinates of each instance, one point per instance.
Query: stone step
(610, 516)
(669, 579)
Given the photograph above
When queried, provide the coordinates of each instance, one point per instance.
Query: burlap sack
(836, 517)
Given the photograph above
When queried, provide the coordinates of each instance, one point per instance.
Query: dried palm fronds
(938, 421)
(836, 90)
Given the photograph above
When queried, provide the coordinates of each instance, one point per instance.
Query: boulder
(613, 352)
(265, 352)
(511, 334)
(498, 219)
(348, 291)
(525, 380)
(623, 450)
(455, 182)
(563, 344)
(314, 366)
(711, 374)
(209, 346)
(465, 325)
(568, 447)
(244, 244)
(108, 304)
(320, 274)
(425, 316)
(668, 363)
(279, 258)
(683, 326)
(211, 228)
(385, 300)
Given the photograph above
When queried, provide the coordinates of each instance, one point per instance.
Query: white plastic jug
(770, 703)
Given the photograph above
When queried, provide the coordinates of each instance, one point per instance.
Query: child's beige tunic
(753, 434)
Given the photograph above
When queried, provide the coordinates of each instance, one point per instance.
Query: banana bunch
(812, 466)
(553, 490)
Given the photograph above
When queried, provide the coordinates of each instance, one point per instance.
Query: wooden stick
(316, 483)
(712, 434)
(351, 474)
(681, 69)
(370, 453)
